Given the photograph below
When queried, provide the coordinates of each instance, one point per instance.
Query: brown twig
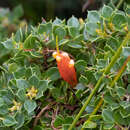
(80, 122)
(41, 112)
(45, 51)
(53, 118)
(87, 4)
(71, 107)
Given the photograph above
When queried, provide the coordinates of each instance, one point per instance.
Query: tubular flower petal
(58, 58)
(54, 54)
(71, 63)
(66, 67)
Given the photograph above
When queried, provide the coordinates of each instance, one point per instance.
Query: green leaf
(108, 116)
(34, 80)
(125, 104)
(73, 21)
(128, 68)
(108, 126)
(30, 105)
(6, 47)
(47, 28)
(127, 9)
(91, 28)
(60, 32)
(80, 86)
(75, 45)
(3, 51)
(80, 66)
(114, 106)
(79, 38)
(128, 75)
(128, 88)
(22, 84)
(119, 21)
(89, 109)
(24, 128)
(109, 49)
(102, 63)
(57, 21)
(36, 70)
(118, 118)
(58, 121)
(4, 12)
(38, 127)
(107, 11)
(2, 125)
(113, 43)
(93, 16)
(68, 120)
(13, 67)
(20, 73)
(90, 76)
(28, 72)
(7, 96)
(98, 75)
(73, 31)
(43, 85)
(63, 42)
(126, 51)
(83, 79)
(56, 92)
(21, 94)
(19, 117)
(51, 44)
(8, 44)
(30, 42)
(19, 36)
(120, 91)
(89, 124)
(52, 74)
(66, 126)
(3, 109)
(9, 121)
(125, 113)
(95, 117)
(1, 101)
(17, 12)
(108, 98)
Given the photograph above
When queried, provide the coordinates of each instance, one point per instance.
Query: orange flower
(65, 66)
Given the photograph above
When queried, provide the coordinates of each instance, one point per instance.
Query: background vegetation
(34, 10)
(32, 94)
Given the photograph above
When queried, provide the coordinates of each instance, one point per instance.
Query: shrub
(32, 93)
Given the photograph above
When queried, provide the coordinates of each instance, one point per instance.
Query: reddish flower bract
(66, 67)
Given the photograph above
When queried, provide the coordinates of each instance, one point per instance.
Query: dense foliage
(32, 93)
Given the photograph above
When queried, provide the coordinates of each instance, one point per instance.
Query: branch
(88, 3)
(41, 112)
(53, 118)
